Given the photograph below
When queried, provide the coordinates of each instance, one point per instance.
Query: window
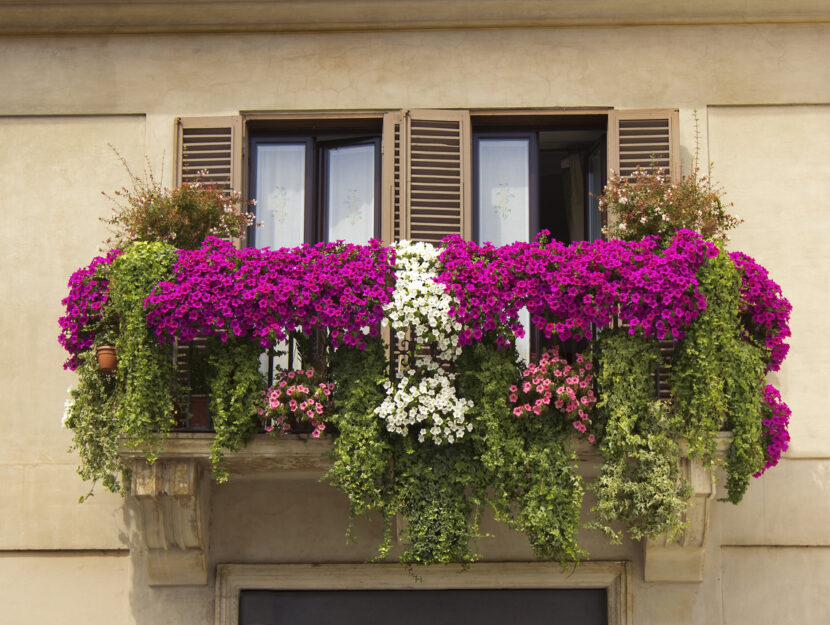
(595, 592)
(314, 187)
(424, 162)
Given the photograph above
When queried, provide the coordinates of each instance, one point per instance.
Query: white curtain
(503, 190)
(351, 193)
(280, 195)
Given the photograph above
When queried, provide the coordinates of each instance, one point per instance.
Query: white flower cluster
(419, 304)
(419, 311)
(426, 399)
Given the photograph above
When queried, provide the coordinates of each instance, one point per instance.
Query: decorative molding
(614, 577)
(264, 455)
(682, 559)
(102, 17)
(171, 496)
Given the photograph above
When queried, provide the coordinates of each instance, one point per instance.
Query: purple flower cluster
(766, 311)
(570, 289)
(775, 428)
(87, 295)
(264, 294)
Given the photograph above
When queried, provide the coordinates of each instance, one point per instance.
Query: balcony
(407, 380)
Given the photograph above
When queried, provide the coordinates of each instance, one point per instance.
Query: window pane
(280, 194)
(504, 202)
(350, 204)
(503, 190)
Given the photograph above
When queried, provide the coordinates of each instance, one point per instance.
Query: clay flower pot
(107, 359)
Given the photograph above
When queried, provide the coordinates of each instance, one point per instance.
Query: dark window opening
(415, 607)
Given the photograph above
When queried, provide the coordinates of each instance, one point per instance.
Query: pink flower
(513, 398)
(315, 434)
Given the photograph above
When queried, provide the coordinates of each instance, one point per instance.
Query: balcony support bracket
(171, 497)
(681, 559)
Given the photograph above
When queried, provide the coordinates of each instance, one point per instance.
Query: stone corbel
(171, 496)
(681, 559)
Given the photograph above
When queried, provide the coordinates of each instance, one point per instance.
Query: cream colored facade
(74, 80)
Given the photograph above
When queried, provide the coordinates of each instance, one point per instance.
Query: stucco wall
(64, 99)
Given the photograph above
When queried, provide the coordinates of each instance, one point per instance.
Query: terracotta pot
(199, 414)
(107, 358)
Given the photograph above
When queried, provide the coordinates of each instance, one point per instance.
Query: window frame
(309, 135)
(613, 576)
(322, 148)
(533, 175)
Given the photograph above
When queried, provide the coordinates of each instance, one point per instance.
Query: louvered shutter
(644, 138)
(212, 144)
(427, 175)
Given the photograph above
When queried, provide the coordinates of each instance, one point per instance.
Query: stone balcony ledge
(172, 497)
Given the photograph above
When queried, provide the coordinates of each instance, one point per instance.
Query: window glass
(280, 194)
(504, 202)
(350, 198)
(503, 190)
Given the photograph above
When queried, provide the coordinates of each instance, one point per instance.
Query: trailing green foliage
(145, 366)
(519, 466)
(95, 427)
(236, 389)
(530, 480)
(639, 483)
(716, 378)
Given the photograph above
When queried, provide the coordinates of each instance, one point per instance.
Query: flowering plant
(85, 304)
(569, 290)
(182, 216)
(649, 203)
(554, 384)
(425, 400)
(420, 306)
(263, 294)
(765, 310)
(296, 397)
(776, 419)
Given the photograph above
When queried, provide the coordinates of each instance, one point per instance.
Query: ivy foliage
(530, 480)
(95, 427)
(639, 483)
(145, 366)
(236, 388)
(716, 378)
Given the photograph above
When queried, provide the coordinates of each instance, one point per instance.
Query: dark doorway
(419, 607)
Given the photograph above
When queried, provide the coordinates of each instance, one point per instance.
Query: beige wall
(64, 99)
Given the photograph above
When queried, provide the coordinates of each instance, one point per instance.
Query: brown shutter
(427, 175)
(644, 138)
(213, 144)
(390, 201)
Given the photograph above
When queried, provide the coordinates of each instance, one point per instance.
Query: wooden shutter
(426, 175)
(213, 144)
(644, 138)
